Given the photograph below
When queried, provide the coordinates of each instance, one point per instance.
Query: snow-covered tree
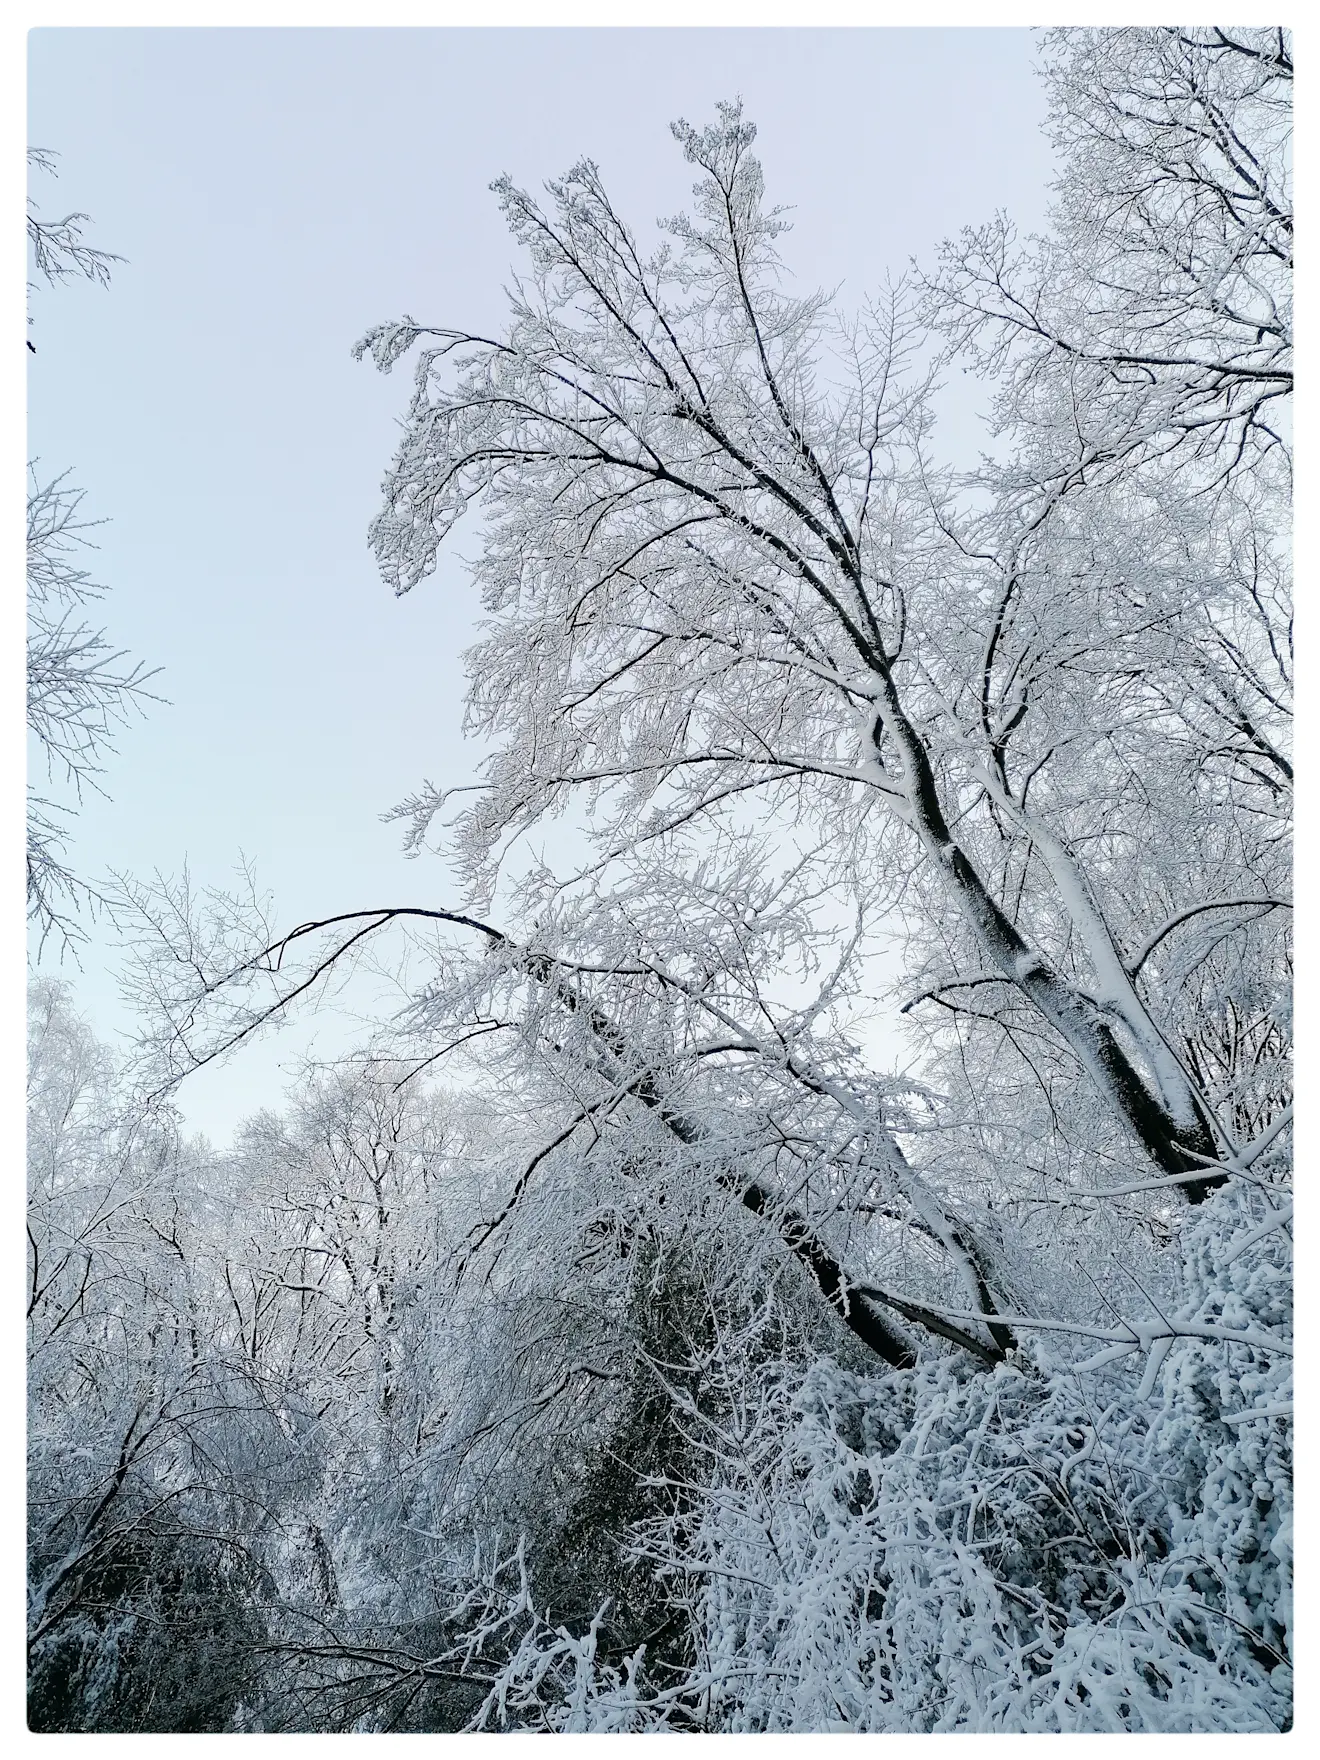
(949, 1397)
(78, 692)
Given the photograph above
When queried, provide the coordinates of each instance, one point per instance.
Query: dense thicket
(674, 1365)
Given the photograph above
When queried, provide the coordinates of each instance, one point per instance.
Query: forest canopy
(616, 1342)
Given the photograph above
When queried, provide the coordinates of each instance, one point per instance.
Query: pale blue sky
(277, 192)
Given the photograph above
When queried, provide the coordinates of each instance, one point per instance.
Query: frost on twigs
(79, 695)
(815, 1253)
(388, 343)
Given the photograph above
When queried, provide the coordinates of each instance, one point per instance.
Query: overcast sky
(277, 192)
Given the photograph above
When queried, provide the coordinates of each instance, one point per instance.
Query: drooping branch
(1215, 904)
(630, 1076)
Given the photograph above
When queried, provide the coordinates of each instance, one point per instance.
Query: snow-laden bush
(1038, 1547)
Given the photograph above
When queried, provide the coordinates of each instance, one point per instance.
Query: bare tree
(58, 250)
(77, 692)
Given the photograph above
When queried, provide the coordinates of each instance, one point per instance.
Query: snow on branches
(953, 1397)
